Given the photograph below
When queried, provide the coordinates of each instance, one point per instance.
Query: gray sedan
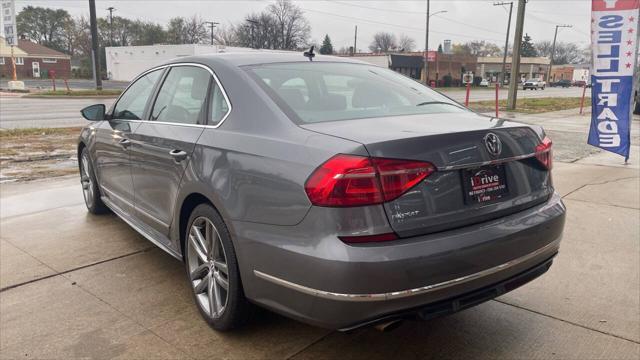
(325, 189)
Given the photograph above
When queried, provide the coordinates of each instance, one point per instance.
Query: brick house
(33, 61)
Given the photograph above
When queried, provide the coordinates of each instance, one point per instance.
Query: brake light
(544, 153)
(351, 180)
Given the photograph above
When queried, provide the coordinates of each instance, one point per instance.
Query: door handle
(178, 155)
(124, 143)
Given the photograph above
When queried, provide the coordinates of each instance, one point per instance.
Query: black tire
(237, 310)
(636, 109)
(89, 182)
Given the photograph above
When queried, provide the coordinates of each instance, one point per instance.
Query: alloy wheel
(207, 264)
(86, 181)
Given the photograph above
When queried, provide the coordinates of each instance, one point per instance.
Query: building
(561, 72)
(124, 63)
(490, 68)
(33, 61)
(444, 69)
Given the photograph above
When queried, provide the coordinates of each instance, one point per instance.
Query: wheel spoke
(221, 266)
(201, 240)
(203, 284)
(216, 295)
(200, 272)
(213, 305)
(221, 281)
(197, 248)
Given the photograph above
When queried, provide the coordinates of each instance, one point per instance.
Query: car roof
(261, 57)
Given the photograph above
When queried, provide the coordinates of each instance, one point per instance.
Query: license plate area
(484, 184)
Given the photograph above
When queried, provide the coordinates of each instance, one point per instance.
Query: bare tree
(290, 23)
(566, 53)
(195, 31)
(406, 43)
(383, 42)
(477, 48)
(227, 35)
(281, 26)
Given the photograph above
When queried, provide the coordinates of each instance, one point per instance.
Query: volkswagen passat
(332, 191)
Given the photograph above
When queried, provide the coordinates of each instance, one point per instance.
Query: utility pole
(355, 42)
(111, 9)
(95, 54)
(212, 25)
(553, 49)
(253, 24)
(506, 42)
(426, 47)
(515, 61)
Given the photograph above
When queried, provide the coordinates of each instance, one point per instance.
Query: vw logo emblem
(493, 144)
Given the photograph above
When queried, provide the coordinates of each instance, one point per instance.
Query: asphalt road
(480, 94)
(74, 84)
(22, 112)
(74, 285)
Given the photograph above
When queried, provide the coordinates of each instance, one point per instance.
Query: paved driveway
(74, 285)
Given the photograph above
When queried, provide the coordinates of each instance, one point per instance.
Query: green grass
(107, 92)
(531, 105)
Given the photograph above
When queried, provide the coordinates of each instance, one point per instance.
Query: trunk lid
(456, 144)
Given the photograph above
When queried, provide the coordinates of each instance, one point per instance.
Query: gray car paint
(253, 167)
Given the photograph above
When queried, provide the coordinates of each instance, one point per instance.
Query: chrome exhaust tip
(389, 325)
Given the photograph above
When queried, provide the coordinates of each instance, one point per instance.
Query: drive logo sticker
(614, 43)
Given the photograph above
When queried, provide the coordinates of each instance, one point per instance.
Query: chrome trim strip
(484, 163)
(215, 77)
(402, 293)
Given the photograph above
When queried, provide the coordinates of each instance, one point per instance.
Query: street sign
(467, 78)
(9, 24)
(614, 41)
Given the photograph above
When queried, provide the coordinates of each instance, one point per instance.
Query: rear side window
(219, 105)
(182, 96)
(132, 103)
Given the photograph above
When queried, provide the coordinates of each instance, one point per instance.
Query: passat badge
(493, 144)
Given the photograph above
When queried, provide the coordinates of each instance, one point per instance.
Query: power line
(395, 25)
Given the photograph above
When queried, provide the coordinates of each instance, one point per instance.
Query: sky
(463, 21)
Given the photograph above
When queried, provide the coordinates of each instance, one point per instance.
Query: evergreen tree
(440, 49)
(326, 48)
(528, 49)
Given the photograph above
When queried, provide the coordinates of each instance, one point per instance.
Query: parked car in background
(332, 191)
(565, 83)
(484, 83)
(534, 84)
(579, 83)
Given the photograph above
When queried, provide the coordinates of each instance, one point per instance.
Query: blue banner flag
(614, 42)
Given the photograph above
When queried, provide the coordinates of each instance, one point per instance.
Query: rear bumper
(304, 272)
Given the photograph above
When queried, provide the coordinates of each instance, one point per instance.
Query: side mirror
(94, 112)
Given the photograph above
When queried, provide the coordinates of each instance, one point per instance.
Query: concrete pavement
(76, 285)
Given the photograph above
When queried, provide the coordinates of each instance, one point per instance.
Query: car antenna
(310, 54)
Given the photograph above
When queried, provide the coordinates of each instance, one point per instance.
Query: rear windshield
(322, 91)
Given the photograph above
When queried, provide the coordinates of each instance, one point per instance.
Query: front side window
(317, 91)
(182, 95)
(131, 104)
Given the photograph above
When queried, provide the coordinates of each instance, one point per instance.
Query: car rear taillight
(351, 180)
(544, 153)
